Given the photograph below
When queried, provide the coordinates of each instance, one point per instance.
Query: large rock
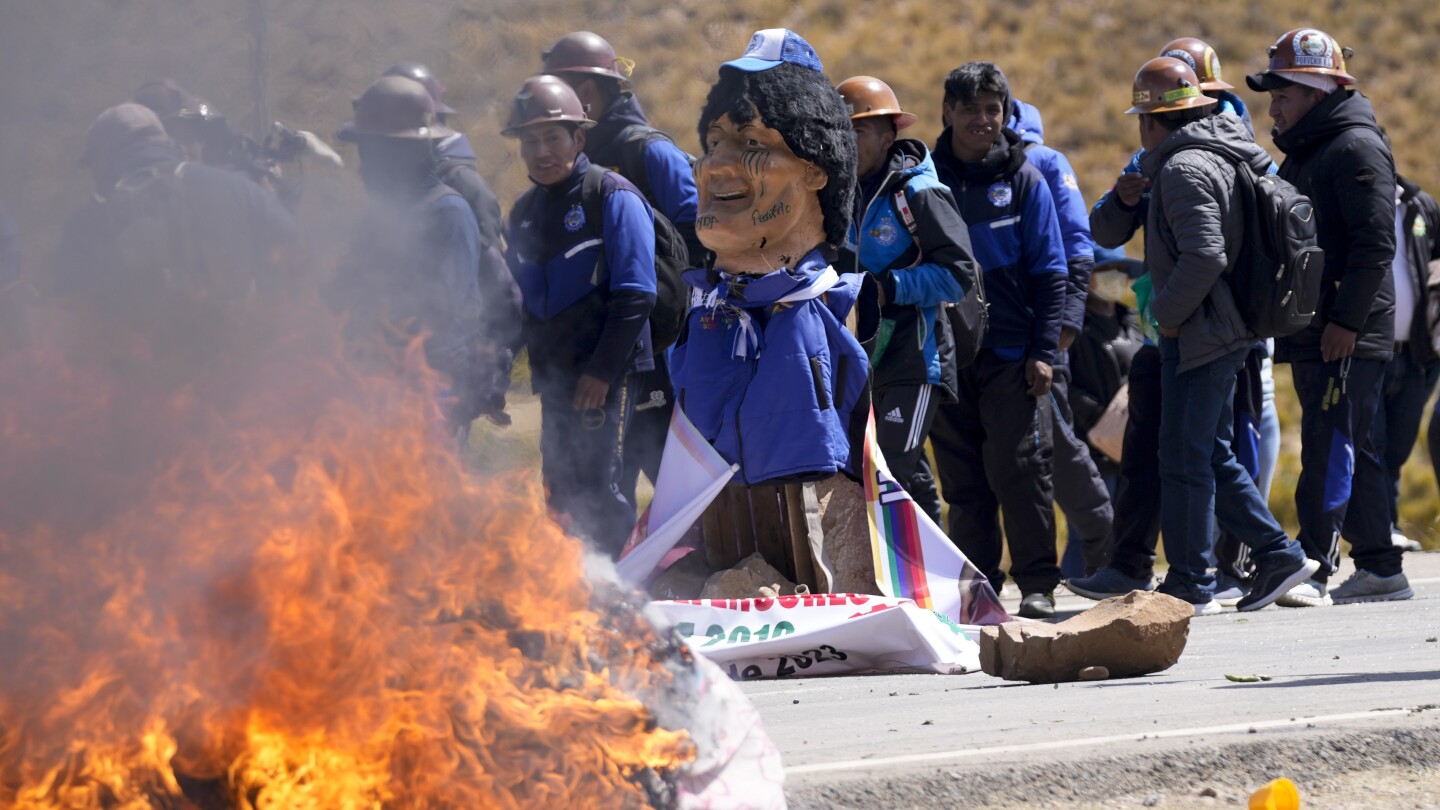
(746, 579)
(847, 551)
(1129, 635)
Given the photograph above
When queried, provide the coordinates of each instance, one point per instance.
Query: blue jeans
(1405, 388)
(1200, 479)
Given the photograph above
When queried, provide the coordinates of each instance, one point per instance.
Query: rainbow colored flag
(913, 557)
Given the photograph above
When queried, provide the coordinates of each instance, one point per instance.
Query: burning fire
(257, 579)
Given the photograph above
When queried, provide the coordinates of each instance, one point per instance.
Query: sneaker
(1276, 581)
(1306, 594)
(1404, 543)
(1208, 608)
(1037, 606)
(1367, 586)
(1107, 582)
(1228, 590)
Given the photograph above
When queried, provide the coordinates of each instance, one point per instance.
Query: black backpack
(672, 295)
(1277, 276)
(970, 316)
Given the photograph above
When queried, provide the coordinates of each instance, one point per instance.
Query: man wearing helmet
(623, 140)
(1193, 232)
(908, 233)
(588, 281)
(458, 168)
(1336, 155)
(412, 268)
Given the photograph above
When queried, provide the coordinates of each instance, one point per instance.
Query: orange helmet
(1304, 50)
(1201, 58)
(545, 100)
(868, 97)
(1165, 84)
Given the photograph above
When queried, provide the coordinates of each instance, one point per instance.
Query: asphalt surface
(1358, 678)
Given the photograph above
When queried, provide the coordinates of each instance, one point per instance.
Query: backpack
(970, 316)
(672, 294)
(465, 179)
(1277, 276)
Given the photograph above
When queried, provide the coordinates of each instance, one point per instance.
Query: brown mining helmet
(584, 52)
(424, 75)
(1201, 58)
(868, 97)
(1303, 50)
(394, 107)
(545, 100)
(1165, 84)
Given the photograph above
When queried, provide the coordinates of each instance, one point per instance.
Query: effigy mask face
(754, 192)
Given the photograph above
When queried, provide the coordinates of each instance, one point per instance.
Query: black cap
(1267, 81)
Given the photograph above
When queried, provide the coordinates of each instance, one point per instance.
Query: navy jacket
(1070, 209)
(919, 273)
(588, 290)
(668, 183)
(1017, 241)
(778, 387)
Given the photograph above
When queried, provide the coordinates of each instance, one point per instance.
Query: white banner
(822, 634)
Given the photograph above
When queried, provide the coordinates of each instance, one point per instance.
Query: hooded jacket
(769, 375)
(587, 298)
(918, 272)
(459, 170)
(1193, 233)
(1016, 240)
(1421, 229)
(1335, 155)
(668, 183)
(1069, 209)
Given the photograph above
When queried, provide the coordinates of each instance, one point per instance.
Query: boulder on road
(1135, 634)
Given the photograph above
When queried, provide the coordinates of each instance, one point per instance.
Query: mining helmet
(1201, 58)
(545, 100)
(1165, 84)
(423, 75)
(584, 52)
(868, 97)
(394, 107)
(1303, 50)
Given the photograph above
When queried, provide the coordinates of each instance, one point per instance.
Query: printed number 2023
(786, 665)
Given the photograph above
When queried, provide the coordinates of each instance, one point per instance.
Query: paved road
(1354, 667)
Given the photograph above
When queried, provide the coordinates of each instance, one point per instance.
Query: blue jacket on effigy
(770, 376)
(588, 287)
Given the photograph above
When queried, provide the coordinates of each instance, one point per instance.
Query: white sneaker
(1404, 543)
(1208, 608)
(1307, 594)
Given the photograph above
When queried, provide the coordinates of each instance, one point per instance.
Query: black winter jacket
(1421, 227)
(1336, 156)
(1099, 365)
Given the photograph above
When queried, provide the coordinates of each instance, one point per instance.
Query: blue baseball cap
(774, 46)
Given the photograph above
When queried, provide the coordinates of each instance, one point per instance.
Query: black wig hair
(809, 114)
(973, 78)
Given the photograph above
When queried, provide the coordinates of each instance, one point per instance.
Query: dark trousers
(581, 463)
(903, 416)
(1342, 481)
(1201, 481)
(1080, 492)
(993, 453)
(1433, 441)
(1405, 388)
(1137, 501)
(649, 426)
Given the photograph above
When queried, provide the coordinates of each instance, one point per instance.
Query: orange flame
(257, 580)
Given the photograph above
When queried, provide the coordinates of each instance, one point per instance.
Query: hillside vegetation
(64, 62)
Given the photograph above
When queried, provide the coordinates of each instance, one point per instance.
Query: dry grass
(66, 61)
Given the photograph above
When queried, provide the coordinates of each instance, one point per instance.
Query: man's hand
(1067, 336)
(1131, 187)
(590, 393)
(1170, 331)
(1336, 343)
(1038, 374)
